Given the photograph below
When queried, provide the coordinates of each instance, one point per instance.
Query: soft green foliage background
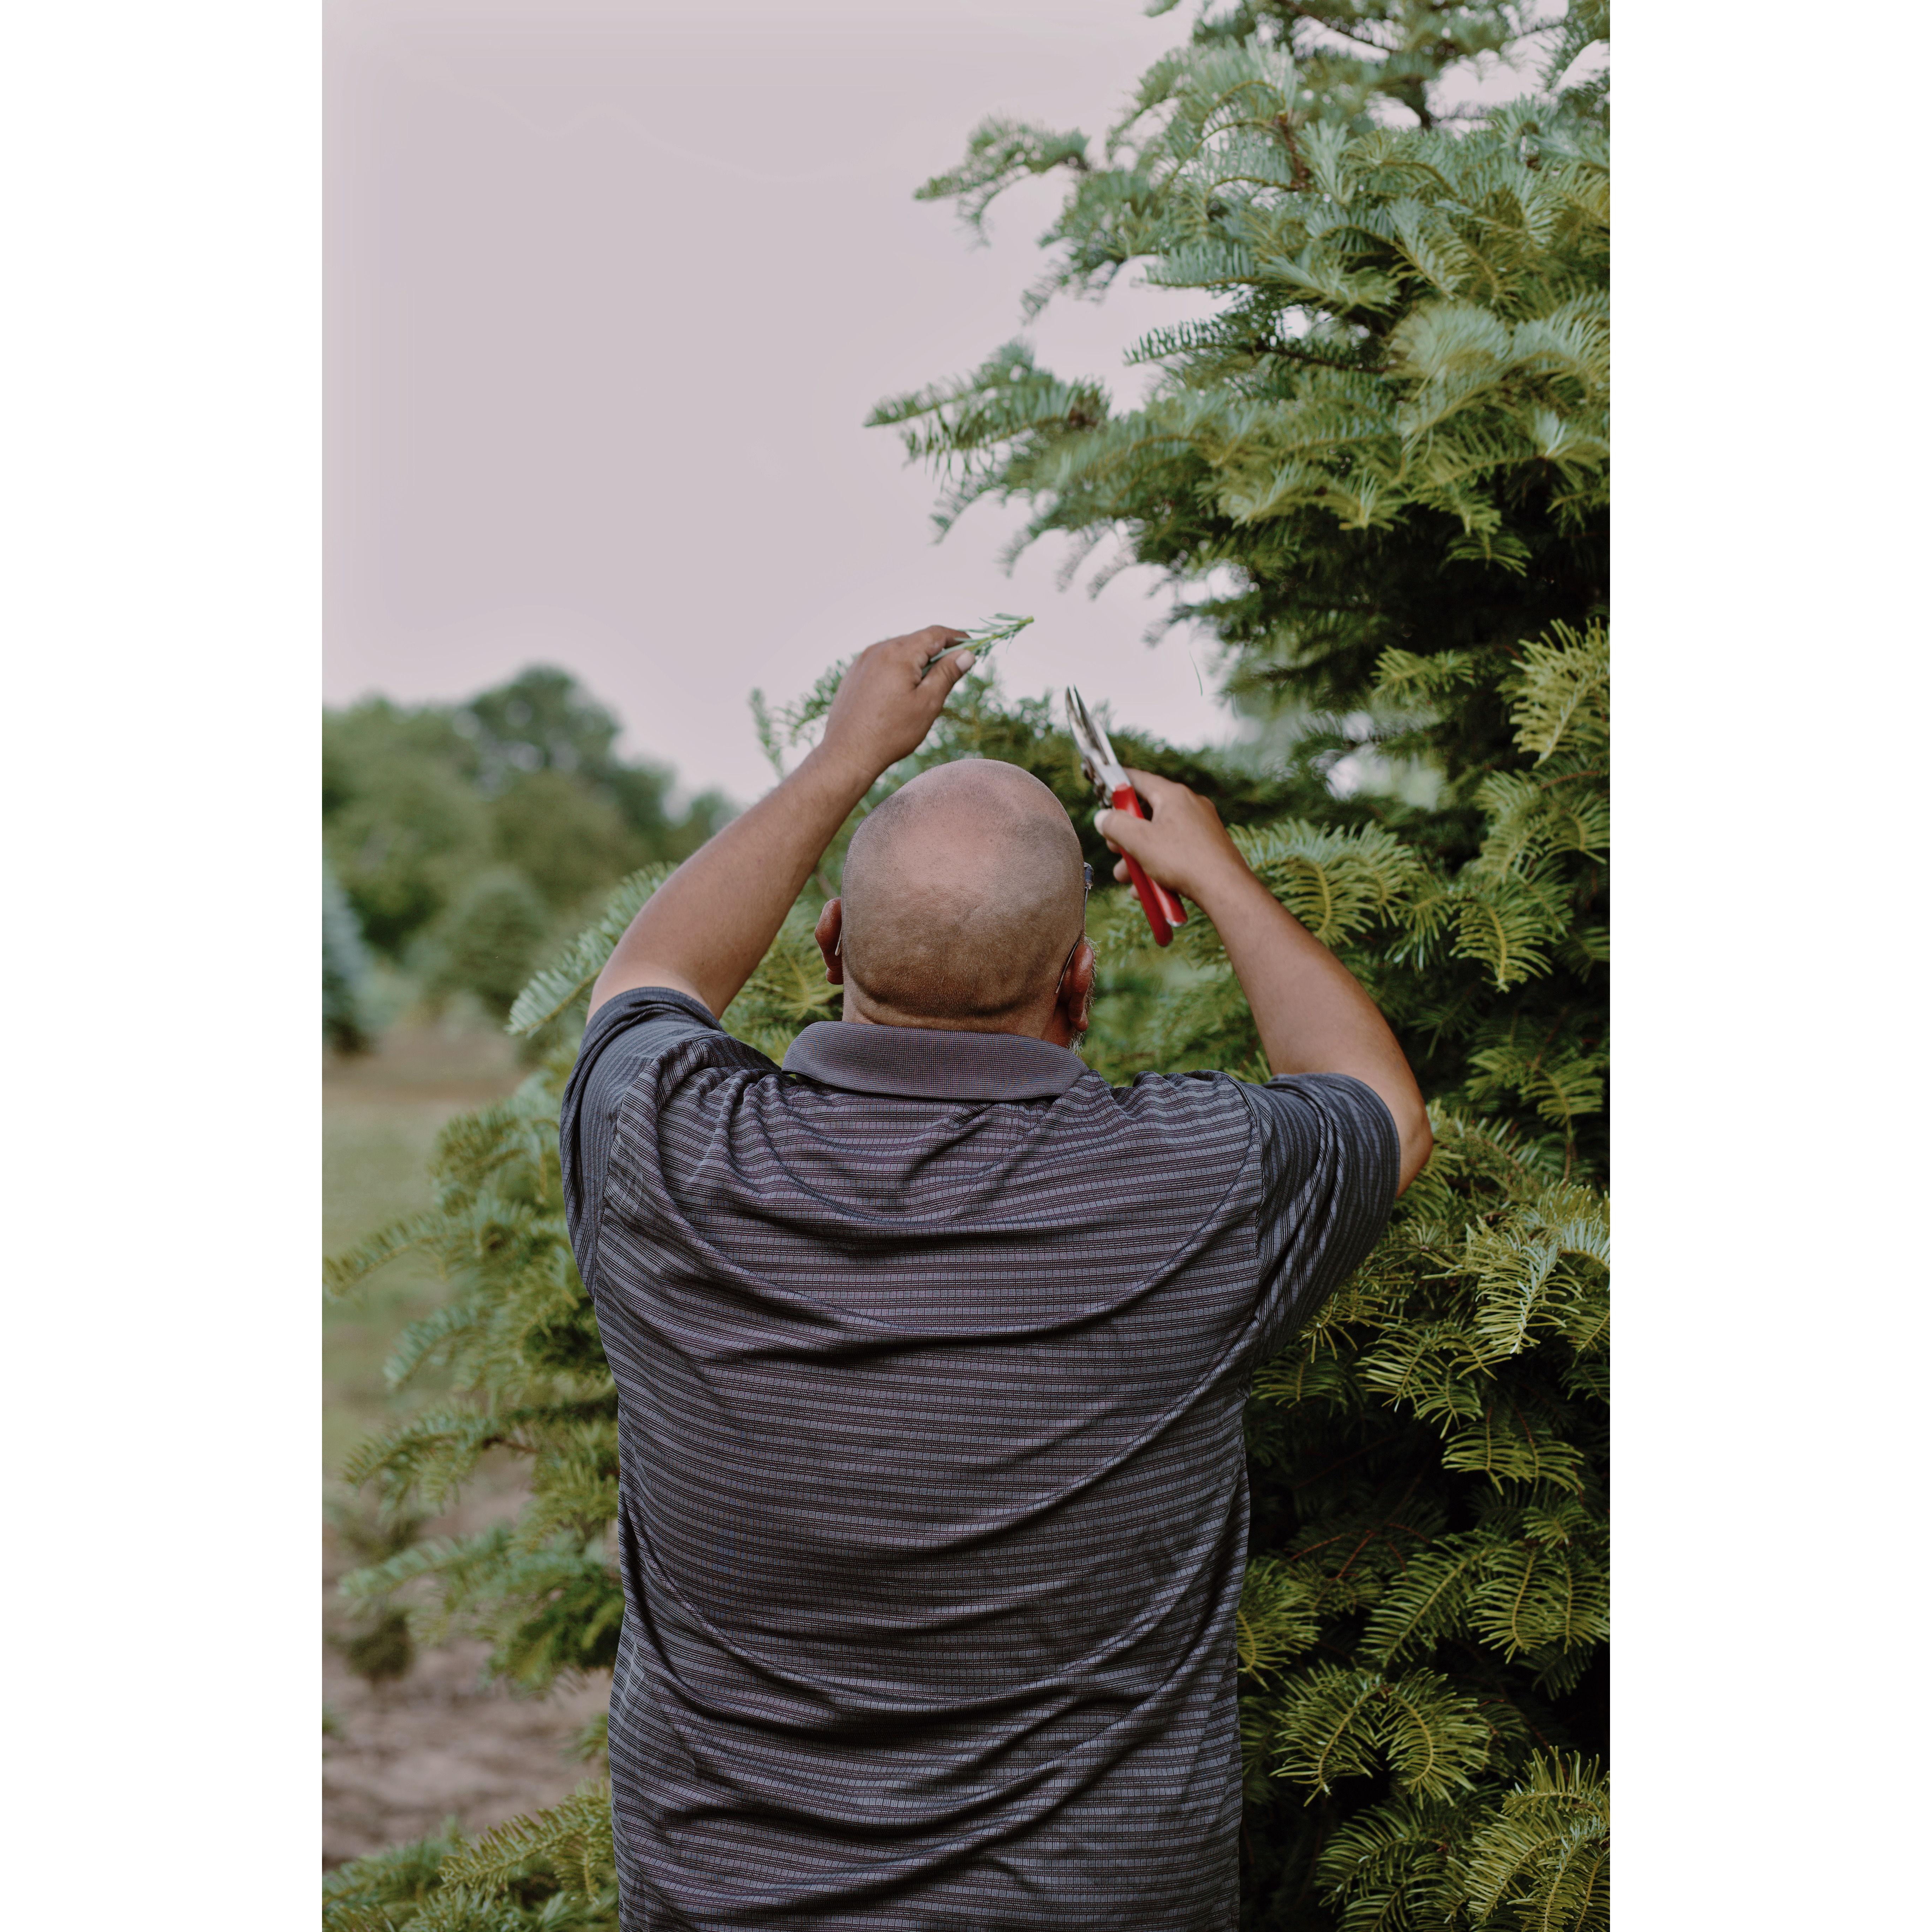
(465, 839)
(1380, 470)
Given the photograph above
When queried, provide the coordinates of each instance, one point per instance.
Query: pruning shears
(1105, 773)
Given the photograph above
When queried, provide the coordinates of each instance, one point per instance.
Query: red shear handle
(1164, 911)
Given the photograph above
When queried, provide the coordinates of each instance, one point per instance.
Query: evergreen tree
(1385, 454)
(403, 829)
(541, 723)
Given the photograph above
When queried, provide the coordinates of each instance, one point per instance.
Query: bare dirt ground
(440, 1744)
(405, 1757)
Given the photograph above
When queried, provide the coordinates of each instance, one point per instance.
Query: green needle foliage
(999, 628)
(1426, 1609)
(556, 1872)
(1378, 473)
(1392, 432)
(1378, 470)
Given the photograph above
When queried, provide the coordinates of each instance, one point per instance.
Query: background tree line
(462, 841)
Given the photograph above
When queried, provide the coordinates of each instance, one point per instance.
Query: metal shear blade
(1097, 760)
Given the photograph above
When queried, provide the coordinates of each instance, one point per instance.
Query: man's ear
(1073, 1007)
(831, 924)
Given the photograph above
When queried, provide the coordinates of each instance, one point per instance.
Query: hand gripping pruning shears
(1104, 773)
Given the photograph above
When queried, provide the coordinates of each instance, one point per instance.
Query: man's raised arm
(1311, 1012)
(704, 930)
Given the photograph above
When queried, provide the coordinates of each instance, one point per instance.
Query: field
(400, 1758)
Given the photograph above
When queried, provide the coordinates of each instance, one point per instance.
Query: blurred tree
(374, 732)
(541, 721)
(566, 836)
(377, 1646)
(419, 804)
(489, 941)
(403, 840)
(345, 966)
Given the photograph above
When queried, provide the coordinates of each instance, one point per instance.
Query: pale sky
(611, 286)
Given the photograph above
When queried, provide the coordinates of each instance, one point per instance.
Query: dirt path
(438, 1744)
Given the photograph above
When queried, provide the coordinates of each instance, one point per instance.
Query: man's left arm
(704, 930)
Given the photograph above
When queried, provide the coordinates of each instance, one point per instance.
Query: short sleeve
(1330, 1158)
(627, 1037)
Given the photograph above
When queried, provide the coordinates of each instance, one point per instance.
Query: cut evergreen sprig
(1001, 626)
(782, 729)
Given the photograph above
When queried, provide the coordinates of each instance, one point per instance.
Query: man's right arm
(1311, 1013)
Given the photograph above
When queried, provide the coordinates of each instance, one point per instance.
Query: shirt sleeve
(1330, 1158)
(626, 1037)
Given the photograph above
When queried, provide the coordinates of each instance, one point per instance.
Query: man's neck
(1033, 1024)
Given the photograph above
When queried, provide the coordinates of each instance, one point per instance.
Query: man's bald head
(963, 897)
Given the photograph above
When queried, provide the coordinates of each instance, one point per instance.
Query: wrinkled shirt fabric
(931, 1351)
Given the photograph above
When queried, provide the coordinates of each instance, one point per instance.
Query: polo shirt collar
(932, 1064)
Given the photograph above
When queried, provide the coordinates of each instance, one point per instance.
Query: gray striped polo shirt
(931, 1351)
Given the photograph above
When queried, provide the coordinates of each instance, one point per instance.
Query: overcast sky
(611, 286)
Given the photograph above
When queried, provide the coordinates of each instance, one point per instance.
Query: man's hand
(887, 701)
(1183, 844)
(704, 930)
(1313, 1016)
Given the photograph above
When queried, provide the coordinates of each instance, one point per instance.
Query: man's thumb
(1120, 829)
(953, 667)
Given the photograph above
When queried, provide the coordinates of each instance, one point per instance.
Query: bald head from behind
(962, 908)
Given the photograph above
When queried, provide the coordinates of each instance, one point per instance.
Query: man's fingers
(937, 676)
(951, 668)
(1151, 785)
(1122, 830)
(1122, 877)
(920, 646)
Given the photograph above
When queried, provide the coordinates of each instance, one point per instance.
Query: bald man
(931, 1349)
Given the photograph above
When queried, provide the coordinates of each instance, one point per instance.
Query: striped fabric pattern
(934, 1505)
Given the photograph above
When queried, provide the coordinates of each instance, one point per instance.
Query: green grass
(374, 1161)
(380, 1118)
